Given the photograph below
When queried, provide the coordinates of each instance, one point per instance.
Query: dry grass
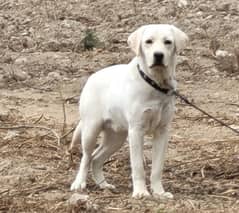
(44, 38)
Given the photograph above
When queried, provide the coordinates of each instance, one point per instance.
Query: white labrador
(119, 102)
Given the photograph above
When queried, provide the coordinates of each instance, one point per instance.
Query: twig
(115, 208)
(219, 196)
(205, 143)
(71, 98)
(69, 132)
(194, 161)
(106, 197)
(233, 105)
(64, 113)
(35, 127)
(25, 142)
(32, 191)
(191, 203)
(219, 141)
(202, 172)
(36, 121)
(4, 191)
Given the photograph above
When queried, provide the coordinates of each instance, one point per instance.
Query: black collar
(152, 82)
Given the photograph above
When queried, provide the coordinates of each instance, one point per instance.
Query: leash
(181, 97)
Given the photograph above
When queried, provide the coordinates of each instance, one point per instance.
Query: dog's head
(157, 44)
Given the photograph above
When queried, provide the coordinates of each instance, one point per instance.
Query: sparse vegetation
(90, 40)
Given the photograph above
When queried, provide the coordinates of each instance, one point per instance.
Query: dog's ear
(134, 40)
(181, 39)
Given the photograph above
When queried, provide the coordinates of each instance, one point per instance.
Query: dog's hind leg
(111, 143)
(89, 134)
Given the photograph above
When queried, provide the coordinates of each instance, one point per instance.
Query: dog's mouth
(158, 66)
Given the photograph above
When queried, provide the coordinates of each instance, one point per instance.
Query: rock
(77, 198)
(235, 127)
(200, 33)
(54, 76)
(20, 60)
(235, 33)
(182, 3)
(182, 60)
(20, 75)
(52, 45)
(81, 203)
(4, 115)
(204, 7)
(199, 13)
(3, 82)
(222, 53)
(222, 6)
(7, 58)
(28, 42)
(2, 23)
(53, 196)
(11, 134)
(226, 61)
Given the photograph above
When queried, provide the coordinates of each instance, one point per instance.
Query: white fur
(119, 103)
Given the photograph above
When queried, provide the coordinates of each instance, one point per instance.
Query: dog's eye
(149, 41)
(168, 42)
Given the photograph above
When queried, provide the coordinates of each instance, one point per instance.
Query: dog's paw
(163, 196)
(76, 185)
(141, 194)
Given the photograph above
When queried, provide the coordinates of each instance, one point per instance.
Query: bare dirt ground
(43, 66)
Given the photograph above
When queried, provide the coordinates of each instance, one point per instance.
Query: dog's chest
(156, 114)
(151, 117)
(114, 119)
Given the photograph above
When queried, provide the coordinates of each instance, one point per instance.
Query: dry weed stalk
(64, 112)
(35, 127)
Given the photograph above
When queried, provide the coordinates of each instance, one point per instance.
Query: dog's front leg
(136, 141)
(160, 144)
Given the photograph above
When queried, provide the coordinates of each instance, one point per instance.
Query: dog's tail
(76, 138)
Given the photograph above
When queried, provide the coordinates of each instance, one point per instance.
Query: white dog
(119, 102)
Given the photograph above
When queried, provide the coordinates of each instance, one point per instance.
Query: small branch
(35, 127)
(219, 196)
(4, 191)
(38, 120)
(72, 99)
(195, 161)
(69, 132)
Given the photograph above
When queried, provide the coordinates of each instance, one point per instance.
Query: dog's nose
(158, 57)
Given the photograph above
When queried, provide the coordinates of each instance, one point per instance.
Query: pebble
(10, 135)
(3, 81)
(28, 42)
(78, 198)
(182, 3)
(20, 75)
(223, 6)
(52, 196)
(54, 75)
(204, 7)
(21, 60)
(4, 115)
(222, 53)
(182, 59)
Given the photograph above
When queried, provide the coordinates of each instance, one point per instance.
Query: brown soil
(43, 67)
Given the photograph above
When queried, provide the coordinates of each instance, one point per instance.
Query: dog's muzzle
(158, 59)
